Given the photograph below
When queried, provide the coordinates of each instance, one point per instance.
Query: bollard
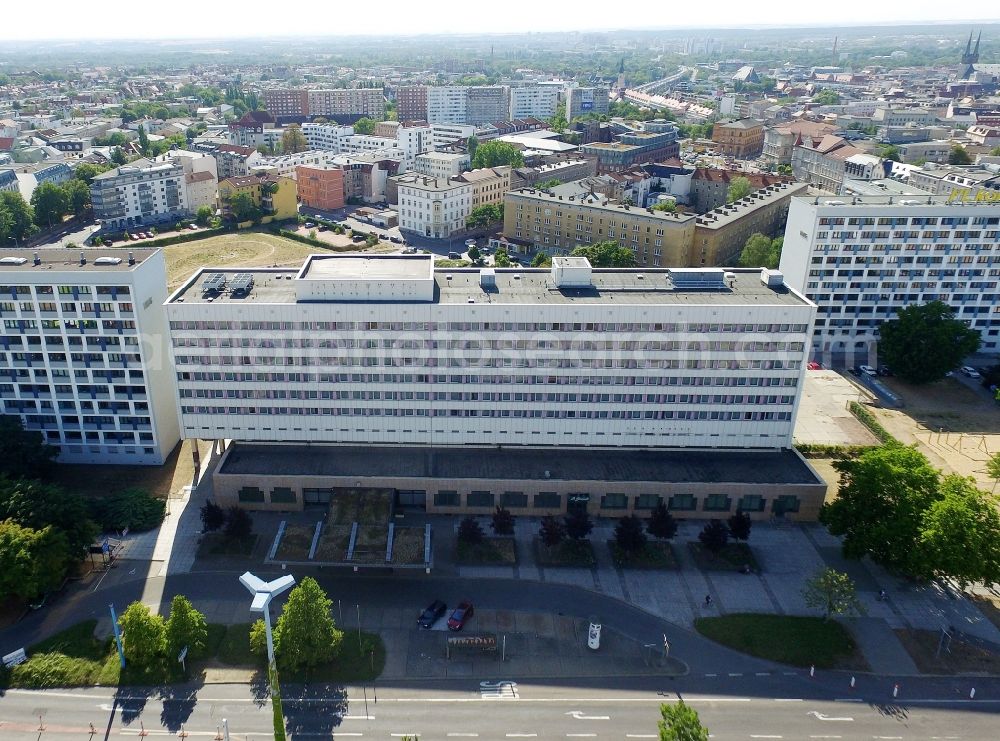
(852, 682)
(94, 730)
(972, 694)
(812, 670)
(183, 733)
(895, 690)
(41, 726)
(218, 733)
(142, 730)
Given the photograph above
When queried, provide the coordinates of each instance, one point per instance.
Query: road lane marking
(463, 735)
(580, 735)
(826, 737)
(820, 716)
(357, 717)
(711, 675)
(848, 699)
(763, 674)
(752, 735)
(640, 735)
(578, 715)
(403, 735)
(522, 735)
(735, 674)
(788, 699)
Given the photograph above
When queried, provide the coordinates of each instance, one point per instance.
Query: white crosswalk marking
(502, 690)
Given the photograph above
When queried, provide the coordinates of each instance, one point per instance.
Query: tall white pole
(267, 630)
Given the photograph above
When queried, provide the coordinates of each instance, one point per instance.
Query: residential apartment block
(141, 192)
(275, 196)
(779, 141)
(285, 102)
(742, 139)
(489, 185)
(862, 259)
(349, 102)
(709, 188)
(411, 103)
(540, 220)
(83, 352)
(467, 105)
(326, 136)
(583, 100)
(320, 186)
(656, 143)
(533, 101)
(720, 234)
(432, 207)
(397, 362)
(441, 164)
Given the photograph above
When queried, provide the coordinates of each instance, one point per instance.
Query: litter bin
(594, 634)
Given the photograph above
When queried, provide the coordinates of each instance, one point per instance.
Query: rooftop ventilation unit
(13, 260)
(697, 278)
(772, 278)
(242, 283)
(487, 279)
(108, 261)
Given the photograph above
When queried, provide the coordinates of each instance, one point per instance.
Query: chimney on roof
(37, 260)
(83, 258)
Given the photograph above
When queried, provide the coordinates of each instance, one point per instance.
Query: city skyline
(116, 22)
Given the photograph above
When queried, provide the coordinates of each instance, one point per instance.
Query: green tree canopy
(889, 152)
(144, 635)
(606, 255)
(203, 216)
(23, 453)
(118, 156)
(185, 627)
(760, 251)
(77, 196)
(484, 215)
(243, 207)
(680, 722)
(960, 533)
(831, 591)
(668, 206)
(738, 188)
(87, 171)
(496, 153)
(959, 156)
(306, 634)
(31, 561)
(37, 505)
(471, 145)
(20, 215)
(542, 260)
(293, 140)
(926, 341)
(883, 495)
(50, 203)
(826, 97)
(143, 141)
(501, 259)
(364, 125)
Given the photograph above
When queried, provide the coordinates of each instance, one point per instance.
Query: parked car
(867, 370)
(358, 238)
(970, 372)
(885, 370)
(432, 614)
(193, 227)
(396, 240)
(813, 365)
(309, 225)
(460, 615)
(454, 256)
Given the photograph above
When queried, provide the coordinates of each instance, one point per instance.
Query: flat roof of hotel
(514, 462)
(366, 267)
(514, 286)
(58, 258)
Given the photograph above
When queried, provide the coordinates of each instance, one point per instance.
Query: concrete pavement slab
(880, 645)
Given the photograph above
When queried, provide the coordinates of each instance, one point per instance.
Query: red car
(460, 615)
(813, 365)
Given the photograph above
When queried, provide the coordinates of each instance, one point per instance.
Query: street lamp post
(263, 592)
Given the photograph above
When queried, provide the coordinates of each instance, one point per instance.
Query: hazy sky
(242, 18)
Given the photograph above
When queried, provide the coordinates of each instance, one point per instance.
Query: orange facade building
(321, 187)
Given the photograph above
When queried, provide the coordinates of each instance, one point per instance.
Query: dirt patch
(408, 545)
(989, 605)
(295, 543)
(333, 542)
(954, 658)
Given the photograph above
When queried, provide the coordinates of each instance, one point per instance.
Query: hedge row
(820, 450)
(315, 242)
(181, 238)
(868, 420)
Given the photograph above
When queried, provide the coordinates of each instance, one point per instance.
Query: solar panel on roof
(214, 282)
(242, 283)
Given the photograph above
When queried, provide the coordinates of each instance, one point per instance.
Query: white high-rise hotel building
(382, 349)
(861, 259)
(83, 352)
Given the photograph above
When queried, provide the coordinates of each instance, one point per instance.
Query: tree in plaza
(738, 188)
(496, 153)
(541, 260)
(606, 255)
(993, 469)
(77, 196)
(578, 523)
(185, 627)
(471, 145)
(37, 505)
(23, 453)
(552, 531)
(629, 535)
(470, 531)
(306, 634)
(239, 524)
(31, 561)
(364, 125)
(212, 516)
(501, 259)
(484, 215)
(502, 521)
(662, 524)
(680, 722)
(203, 216)
(739, 525)
(293, 140)
(714, 536)
(475, 255)
(760, 251)
(832, 592)
(144, 634)
(959, 156)
(960, 533)
(926, 341)
(878, 511)
(50, 203)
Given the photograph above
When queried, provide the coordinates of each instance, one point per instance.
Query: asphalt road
(486, 709)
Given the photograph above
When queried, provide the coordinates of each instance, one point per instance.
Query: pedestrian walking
(708, 600)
